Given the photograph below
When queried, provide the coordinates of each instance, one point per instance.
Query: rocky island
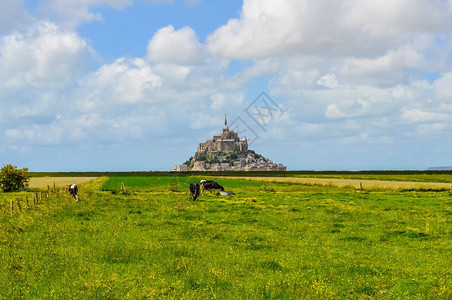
(227, 152)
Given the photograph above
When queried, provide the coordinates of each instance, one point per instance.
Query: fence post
(18, 205)
(360, 185)
(28, 205)
(11, 204)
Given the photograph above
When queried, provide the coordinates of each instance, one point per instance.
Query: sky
(135, 85)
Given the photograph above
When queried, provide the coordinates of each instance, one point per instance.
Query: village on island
(227, 152)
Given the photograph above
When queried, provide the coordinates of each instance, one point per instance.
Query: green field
(394, 176)
(269, 241)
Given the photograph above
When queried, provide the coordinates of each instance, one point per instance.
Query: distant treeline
(237, 173)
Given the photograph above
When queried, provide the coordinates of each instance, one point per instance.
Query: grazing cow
(210, 185)
(73, 189)
(194, 190)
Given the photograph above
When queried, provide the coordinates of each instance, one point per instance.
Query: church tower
(225, 128)
(227, 151)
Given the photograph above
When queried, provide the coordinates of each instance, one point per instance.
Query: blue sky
(124, 32)
(113, 85)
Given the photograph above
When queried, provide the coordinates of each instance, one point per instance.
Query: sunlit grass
(271, 240)
(367, 184)
(386, 176)
(43, 182)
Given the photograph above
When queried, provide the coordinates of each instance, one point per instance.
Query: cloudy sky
(112, 85)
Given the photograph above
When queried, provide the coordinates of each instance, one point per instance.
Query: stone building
(226, 142)
(227, 152)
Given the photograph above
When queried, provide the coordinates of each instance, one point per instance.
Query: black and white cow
(210, 185)
(194, 190)
(73, 189)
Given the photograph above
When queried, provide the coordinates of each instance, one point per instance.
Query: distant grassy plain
(273, 240)
(46, 181)
(361, 183)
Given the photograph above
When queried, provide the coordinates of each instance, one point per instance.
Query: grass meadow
(272, 240)
(363, 184)
(445, 177)
(52, 182)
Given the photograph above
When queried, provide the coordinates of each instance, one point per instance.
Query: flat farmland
(403, 176)
(272, 240)
(43, 182)
(356, 183)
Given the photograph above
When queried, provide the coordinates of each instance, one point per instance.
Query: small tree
(13, 179)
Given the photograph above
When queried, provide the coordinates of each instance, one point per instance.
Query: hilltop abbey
(227, 142)
(227, 152)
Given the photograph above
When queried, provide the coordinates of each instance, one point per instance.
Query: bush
(233, 156)
(201, 157)
(188, 162)
(13, 179)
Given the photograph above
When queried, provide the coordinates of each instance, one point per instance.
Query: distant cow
(210, 185)
(73, 190)
(194, 190)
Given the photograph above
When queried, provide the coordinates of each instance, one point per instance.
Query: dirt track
(357, 183)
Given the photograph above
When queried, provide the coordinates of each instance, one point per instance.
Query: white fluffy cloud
(389, 68)
(280, 28)
(179, 47)
(443, 88)
(329, 81)
(420, 116)
(125, 81)
(42, 57)
(356, 74)
(382, 66)
(12, 13)
(40, 68)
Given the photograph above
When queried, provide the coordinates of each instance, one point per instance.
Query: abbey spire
(225, 128)
(227, 151)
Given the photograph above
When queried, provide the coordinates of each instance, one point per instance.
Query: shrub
(13, 179)
(233, 156)
(189, 162)
(201, 157)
